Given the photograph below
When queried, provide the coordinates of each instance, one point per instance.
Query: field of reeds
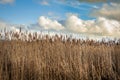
(57, 58)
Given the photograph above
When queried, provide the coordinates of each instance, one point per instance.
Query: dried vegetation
(47, 59)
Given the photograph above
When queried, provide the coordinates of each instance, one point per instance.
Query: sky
(101, 17)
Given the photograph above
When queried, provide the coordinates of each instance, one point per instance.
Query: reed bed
(53, 58)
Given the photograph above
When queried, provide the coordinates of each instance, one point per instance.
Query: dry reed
(45, 59)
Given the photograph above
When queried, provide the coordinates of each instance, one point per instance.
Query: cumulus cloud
(73, 23)
(108, 11)
(100, 26)
(6, 1)
(47, 23)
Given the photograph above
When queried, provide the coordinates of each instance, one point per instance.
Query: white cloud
(100, 26)
(73, 23)
(47, 23)
(6, 1)
(111, 11)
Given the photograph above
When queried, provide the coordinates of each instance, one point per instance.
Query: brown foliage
(58, 60)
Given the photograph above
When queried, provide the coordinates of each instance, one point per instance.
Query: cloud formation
(100, 26)
(108, 11)
(73, 23)
(47, 23)
(6, 1)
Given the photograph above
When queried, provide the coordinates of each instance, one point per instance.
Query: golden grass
(58, 60)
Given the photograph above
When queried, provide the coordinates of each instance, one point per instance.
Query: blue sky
(28, 11)
(77, 16)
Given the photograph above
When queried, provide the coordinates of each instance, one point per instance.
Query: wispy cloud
(111, 11)
(6, 1)
(54, 16)
(94, 1)
(50, 13)
(44, 2)
(71, 3)
(2, 24)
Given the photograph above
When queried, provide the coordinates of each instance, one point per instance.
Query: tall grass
(47, 59)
